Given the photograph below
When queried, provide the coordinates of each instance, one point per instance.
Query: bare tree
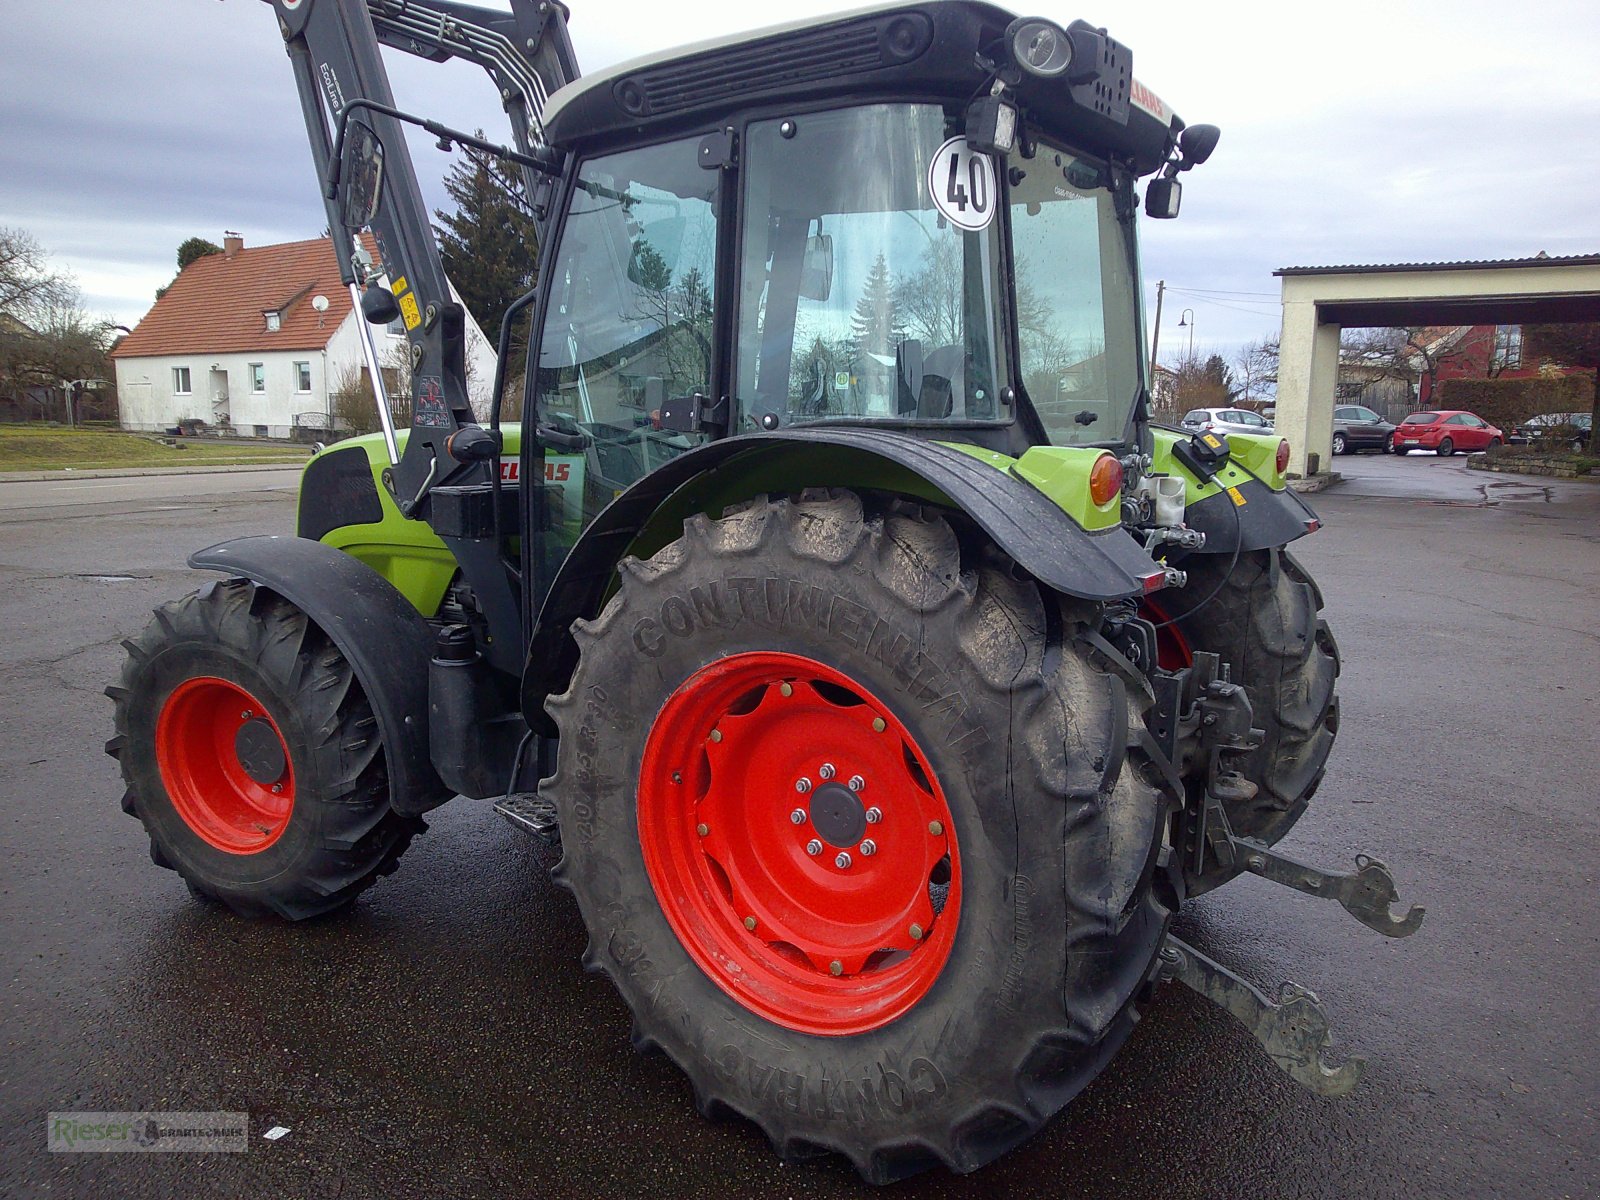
(1255, 370)
(28, 288)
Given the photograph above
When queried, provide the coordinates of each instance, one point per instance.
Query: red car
(1445, 430)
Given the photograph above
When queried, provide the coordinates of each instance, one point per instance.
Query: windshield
(1077, 322)
(859, 297)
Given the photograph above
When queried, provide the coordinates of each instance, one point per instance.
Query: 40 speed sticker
(961, 184)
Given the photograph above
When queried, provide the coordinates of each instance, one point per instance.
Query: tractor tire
(1265, 623)
(252, 756)
(856, 820)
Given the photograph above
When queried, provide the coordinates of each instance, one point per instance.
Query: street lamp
(1187, 318)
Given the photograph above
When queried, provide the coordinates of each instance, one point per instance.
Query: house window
(258, 377)
(302, 377)
(1507, 348)
(180, 381)
(274, 322)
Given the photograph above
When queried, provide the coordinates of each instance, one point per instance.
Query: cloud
(1366, 132)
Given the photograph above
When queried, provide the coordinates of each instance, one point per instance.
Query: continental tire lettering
(707, 604)
(677, 616)
(871, 1094)
(591, 778)
(1021, 943)
(648, 638)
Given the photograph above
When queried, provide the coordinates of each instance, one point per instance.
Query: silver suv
(1225, 420)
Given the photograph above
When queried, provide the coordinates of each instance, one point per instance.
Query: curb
(135, 472)
(1320, 482)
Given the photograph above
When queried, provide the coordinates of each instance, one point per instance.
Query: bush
(1508, 402)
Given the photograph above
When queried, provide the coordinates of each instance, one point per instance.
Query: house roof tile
(218, 304)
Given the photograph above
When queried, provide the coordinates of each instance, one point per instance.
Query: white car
(1225, 420)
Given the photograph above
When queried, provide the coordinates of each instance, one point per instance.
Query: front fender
(380, 633)
(1022, 521)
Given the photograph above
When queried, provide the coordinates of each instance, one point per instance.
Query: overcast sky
(1352, 132)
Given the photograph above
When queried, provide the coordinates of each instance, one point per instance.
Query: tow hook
(1365, 894)
(1292, 1029)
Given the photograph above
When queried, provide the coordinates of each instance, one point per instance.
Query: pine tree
(876, 323)
(489, 244)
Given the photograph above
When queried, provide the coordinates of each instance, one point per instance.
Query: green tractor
(886, 677)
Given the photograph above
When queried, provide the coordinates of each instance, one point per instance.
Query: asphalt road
(441, 1038)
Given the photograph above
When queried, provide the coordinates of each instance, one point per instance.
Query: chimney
(232, 243)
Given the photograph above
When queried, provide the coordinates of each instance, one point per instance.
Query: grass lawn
(50, 448)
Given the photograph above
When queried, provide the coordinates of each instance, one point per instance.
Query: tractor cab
(851, 239)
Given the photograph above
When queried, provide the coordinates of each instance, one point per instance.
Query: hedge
(1507, 402)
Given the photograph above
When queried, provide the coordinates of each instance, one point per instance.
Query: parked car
(1446, 431)
(1225, 420)
(1570, 429)
(1357, 427)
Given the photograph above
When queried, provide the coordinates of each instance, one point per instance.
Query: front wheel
(858, 828)
(1494, 444)
(1446, 448)
(1388, 445)
(1339, 443)
(252, 756)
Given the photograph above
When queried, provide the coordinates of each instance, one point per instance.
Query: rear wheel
(856, 823)
(252, 757)
(1264, 622)
(1388, 445)
(1446, 448)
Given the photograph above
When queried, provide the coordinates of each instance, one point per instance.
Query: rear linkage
(1201, 718)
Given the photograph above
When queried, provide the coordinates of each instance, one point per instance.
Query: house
(257, 342)
(1472, 352)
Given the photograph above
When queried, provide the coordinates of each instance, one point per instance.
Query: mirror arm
(546, 164)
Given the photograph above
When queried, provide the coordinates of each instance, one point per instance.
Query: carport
(1320, 302)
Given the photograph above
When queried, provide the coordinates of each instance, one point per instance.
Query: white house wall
(148, 403)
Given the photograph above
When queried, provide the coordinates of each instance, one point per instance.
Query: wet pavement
(441, 1038)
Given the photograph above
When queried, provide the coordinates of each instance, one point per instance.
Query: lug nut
(702, 829)
(802, 785)
(813, 847)
(856, 783)
(798, 816)
(785, 689)
(827, 771)
(842, 861)
(879, 725)
(246, 715)
(874, 815)
(836, 967)
(677, 777)
(716, 735)
(868, 847)
(276, 788)
(936, 828)
(750, 923)
(916, 933)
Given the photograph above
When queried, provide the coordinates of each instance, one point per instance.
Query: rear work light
(1105, 479)
(1283, 455)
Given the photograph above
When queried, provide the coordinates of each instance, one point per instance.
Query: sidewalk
(129, 472)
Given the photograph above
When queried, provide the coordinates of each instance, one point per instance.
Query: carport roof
(1478, 264)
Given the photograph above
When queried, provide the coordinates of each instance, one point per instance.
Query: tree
(1568, 345)
(876, 324)
(1256, 370)
(1203, 383)
(28, 288)
(193, 248)
(490, 244)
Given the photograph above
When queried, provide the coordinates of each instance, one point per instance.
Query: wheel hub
(260, 751)
(818, 900)
(838, 816)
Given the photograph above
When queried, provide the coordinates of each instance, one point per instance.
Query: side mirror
(360, 176)
(1197, 142)
(816, 270)
(1162, 198)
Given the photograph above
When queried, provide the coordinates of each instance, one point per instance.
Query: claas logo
(554, 472)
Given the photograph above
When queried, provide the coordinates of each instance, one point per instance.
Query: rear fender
(1024, 522)
(380, 633)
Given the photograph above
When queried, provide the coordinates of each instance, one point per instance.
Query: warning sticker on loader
(961, 185)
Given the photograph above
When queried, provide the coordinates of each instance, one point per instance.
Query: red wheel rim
(197, 750)
(760, 772)
(1173, 652)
